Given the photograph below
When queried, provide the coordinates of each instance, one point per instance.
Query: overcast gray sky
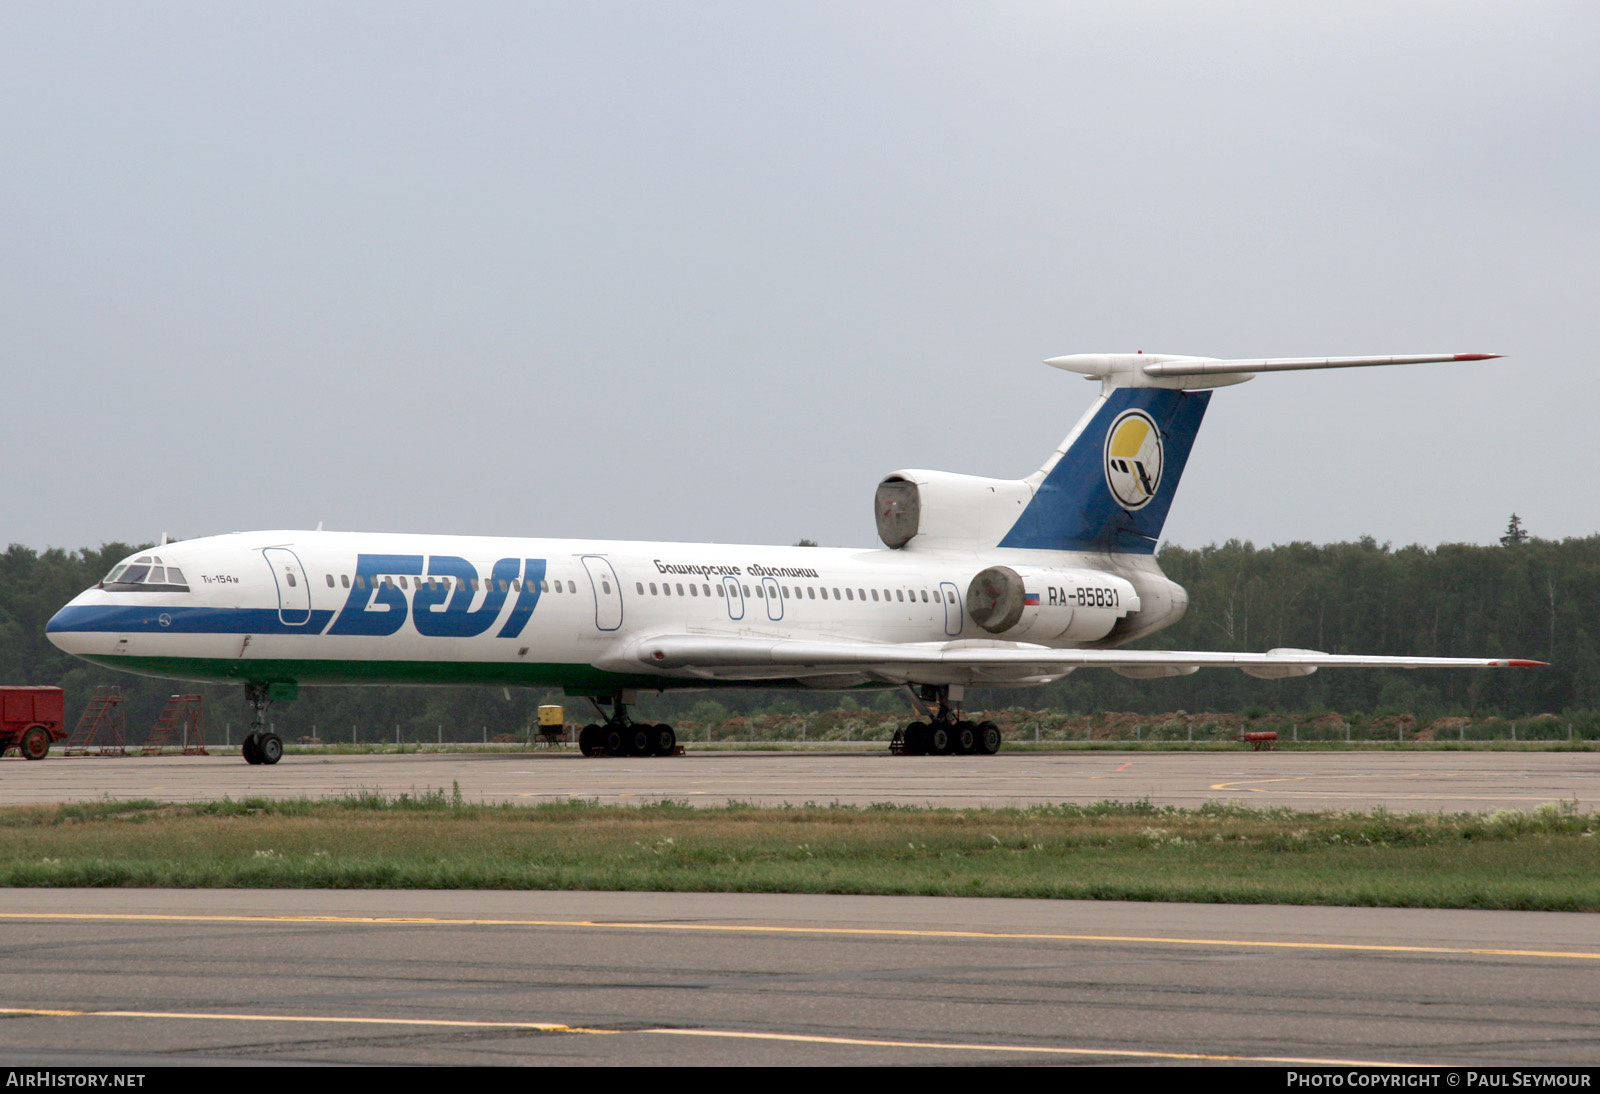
(707, 271)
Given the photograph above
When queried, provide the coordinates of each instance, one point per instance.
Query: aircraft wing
(973, 663)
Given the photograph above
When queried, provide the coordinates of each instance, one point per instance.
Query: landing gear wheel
(916, 739)
(615, 740)
(35, 743)
(640, 738)
(251, 748)
(988, 738)
(941, 740)
(663, 740)
(270, 750)
(965, 736)
(589, 740)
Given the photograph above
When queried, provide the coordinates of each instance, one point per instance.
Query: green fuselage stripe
(576, 679)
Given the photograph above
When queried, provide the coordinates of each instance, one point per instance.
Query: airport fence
(1019, 725)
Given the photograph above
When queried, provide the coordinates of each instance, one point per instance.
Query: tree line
(1528, 598)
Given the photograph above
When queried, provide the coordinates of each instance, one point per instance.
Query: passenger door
(607, 593)
(952, 608)
(294, 591)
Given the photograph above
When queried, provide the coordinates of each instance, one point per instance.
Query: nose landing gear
(260, 746)
(946, 732)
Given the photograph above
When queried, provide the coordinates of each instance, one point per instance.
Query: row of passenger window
(807, 592)
(799, 592)
(447, 583)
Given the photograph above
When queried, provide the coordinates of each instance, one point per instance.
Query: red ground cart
(31, 719)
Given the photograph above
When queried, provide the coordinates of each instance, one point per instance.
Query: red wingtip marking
(1517, 663)
(1477, 356)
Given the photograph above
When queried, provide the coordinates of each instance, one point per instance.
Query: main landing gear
(945, 733)
(622, 736)
(260, 746)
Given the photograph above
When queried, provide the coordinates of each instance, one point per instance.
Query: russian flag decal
(1030, 600)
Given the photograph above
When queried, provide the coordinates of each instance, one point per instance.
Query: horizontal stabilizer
(1204, 367)
(1171, 370)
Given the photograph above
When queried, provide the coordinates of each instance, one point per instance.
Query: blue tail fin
(1111, 486)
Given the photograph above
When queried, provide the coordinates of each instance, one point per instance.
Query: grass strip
(1544, 860)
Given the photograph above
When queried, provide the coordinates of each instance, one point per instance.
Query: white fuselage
(338, 607)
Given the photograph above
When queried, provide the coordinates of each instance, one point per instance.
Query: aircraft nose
(57, 629)
(62, 629)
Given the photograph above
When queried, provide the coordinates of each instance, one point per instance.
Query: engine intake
(1076, 605)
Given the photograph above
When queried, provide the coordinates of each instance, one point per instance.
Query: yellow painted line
(1412, 776)
(729, 1034)
(1042, 1049)
(541, 1027)
(854, 932)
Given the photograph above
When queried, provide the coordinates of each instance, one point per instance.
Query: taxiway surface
(1402, 781)
(129, 978)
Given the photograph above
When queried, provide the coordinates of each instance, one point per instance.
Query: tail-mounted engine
(938, 509)
(1046, 605)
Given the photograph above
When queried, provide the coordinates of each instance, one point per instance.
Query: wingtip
(1478, 356)
(1520, 663)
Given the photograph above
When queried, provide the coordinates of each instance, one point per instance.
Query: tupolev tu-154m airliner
(998, 582)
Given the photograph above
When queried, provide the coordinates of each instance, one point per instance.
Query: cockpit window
(145, 574)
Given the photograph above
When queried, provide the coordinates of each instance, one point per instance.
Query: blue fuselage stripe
(133, 619)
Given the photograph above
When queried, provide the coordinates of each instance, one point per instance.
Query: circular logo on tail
(1133, 459)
